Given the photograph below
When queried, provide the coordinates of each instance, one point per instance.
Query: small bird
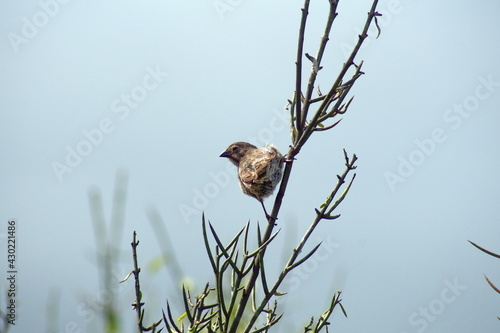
(259, 169)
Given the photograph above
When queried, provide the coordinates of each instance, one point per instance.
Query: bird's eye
(234, 149)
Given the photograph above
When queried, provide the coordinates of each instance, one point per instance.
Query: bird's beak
(225, 154)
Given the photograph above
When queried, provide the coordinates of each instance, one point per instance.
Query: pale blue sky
(169, 85)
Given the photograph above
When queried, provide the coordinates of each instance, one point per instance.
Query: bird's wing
(252, 169)
(247, 176)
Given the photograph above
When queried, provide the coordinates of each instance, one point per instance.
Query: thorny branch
(301, 129)
(229, 309)
(138, 304)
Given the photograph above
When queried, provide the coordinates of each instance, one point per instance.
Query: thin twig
(492, 285)
(323, 320)
(350, 61)
(298, 71)
(316, 62)
(138, 295)
(138, 305)
(485, 251)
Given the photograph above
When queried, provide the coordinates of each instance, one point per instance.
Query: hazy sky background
(170, 84)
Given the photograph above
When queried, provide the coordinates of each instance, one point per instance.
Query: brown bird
(259, 169)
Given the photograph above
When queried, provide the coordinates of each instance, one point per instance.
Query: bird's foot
(288, 159)
(269, 218)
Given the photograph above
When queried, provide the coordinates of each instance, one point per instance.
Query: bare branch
(316, 67)
(244, 275)
(485, 251)
(350, 62)
(298, 72)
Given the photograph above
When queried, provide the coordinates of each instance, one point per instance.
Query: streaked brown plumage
(259, 169)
